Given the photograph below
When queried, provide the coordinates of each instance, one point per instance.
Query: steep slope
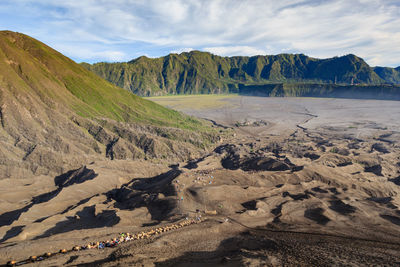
(382, 92)
(390, 75)
(55, 115)
(202, 72)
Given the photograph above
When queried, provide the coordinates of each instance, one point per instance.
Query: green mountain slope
(56, 78)
(201, 72)
(390, 75)
(55, 114)
(382, 92)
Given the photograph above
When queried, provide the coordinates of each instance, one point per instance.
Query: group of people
(126, 237)
(123, 237)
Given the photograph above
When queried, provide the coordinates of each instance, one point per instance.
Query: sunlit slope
(29, 66)
(203, 73)
(55, 115)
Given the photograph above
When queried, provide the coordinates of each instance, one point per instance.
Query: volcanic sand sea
(287, 112)
(299, 181)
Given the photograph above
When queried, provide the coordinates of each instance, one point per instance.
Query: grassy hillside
(29, 65)
(390, 75)
(56, 115)
(201, 72)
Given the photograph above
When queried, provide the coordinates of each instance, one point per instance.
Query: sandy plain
(298, 182)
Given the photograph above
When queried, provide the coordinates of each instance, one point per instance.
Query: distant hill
(201, 72)
(379, 92)
(389, 75)
(56, 115)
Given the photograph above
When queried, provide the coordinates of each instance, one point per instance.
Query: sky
(121, 30)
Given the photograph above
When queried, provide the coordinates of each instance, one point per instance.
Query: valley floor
(301, 181)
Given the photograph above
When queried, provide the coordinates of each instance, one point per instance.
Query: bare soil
(316, 183)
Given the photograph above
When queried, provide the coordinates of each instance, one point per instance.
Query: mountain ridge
(202, 72)
(55, 115)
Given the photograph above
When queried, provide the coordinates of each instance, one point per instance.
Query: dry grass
(197, 102)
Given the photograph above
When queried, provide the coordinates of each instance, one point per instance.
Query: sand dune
(318, 184)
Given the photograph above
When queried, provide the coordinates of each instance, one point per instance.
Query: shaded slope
(390, 75)
(55, 115)
(201, 72)
(382, 92)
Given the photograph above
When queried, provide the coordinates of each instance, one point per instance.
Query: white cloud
(109, 55)
(87, 54)
(181, 50)
(234, 50)
(319, 28)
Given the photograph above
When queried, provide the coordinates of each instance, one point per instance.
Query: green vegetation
(28, 66)
(387, 92)
(390, 75)
(204, 73)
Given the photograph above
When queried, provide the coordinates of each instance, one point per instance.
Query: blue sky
(120, 30)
